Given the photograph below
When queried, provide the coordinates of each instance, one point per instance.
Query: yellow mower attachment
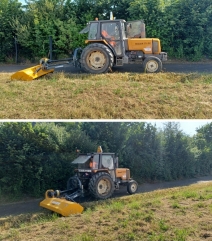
(31, 73)
(60, 205)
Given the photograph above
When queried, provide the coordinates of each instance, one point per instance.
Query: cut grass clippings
(176, 214)
(107, 96)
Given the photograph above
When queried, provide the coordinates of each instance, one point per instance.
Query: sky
(22, 1)
(187, 126)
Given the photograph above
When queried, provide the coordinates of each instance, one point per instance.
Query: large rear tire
(132, 187)
(152, 65)
(97, 58)
(101, 185)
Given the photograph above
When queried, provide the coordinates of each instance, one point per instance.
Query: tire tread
(93, 185)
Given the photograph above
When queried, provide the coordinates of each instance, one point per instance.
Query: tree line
(35, 157)
(184, 26)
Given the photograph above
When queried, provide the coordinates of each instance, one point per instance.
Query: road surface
(177, 67)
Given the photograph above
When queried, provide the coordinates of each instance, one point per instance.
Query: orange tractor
(97, 174)
(110, 43)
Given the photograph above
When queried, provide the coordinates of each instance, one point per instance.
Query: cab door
(111, 32)
(107, 162)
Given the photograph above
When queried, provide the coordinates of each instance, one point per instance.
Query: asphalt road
(33, 205)
(184, 67)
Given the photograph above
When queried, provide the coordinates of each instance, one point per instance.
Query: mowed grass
(177, 214)
(107, 96)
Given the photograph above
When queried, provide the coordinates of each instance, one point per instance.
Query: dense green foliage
(37, 156)
(8, 10)
(184, 26)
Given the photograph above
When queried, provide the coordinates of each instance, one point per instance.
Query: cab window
(107, 162)
(94, 162)
(135, 29)
(111, 30)
(93, 31)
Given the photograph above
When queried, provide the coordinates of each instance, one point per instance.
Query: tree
(187, 29)
(203, 141)
(45, 18)
(8, 9)
(142, 150)
(19, 157)
(110, 135)
(177, 155)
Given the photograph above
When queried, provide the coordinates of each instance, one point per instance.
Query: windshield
(107, 162)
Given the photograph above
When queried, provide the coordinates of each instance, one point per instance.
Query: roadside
(169, 66)
(33, 205)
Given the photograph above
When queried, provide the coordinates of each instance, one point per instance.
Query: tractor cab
(110, 32)
(92, 162)
(114, 33)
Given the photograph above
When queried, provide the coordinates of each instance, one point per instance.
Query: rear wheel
(97, 58)
(152, 65)
(132, 187)
(101, 185)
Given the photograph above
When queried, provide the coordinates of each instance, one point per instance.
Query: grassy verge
(176, 214)
(107, 96)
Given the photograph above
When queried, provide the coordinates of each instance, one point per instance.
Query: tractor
(97, 175)
(110, 43)
(117, 42)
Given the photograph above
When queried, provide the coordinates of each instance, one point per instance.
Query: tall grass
(173, 214)
(107, 96)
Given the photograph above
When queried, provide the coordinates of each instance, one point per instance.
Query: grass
(177, 214)
(107, 96)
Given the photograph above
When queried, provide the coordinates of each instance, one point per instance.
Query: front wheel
(132, 187)
(152, 65)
